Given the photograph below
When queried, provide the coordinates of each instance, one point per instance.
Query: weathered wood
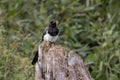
(57, 63)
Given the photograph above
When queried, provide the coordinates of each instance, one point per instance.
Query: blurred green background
(90, 27)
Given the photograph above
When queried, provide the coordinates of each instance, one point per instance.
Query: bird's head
(53, 30)
(52, 24)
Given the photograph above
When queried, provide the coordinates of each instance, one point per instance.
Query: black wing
(45, 31)
(35, 59)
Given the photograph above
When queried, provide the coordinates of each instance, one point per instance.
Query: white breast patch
(48, 37)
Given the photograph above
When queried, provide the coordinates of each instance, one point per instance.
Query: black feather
(43, 35)
(52, 24)
(35, 59)
(53, 31)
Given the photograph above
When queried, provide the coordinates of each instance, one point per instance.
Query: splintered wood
(56, 63)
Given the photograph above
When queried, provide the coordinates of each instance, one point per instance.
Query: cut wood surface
(57, 63)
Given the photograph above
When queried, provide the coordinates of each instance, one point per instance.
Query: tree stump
(57, 63)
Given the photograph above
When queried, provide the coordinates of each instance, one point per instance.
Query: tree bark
(57, 63)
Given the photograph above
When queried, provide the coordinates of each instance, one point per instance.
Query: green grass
(90, 27)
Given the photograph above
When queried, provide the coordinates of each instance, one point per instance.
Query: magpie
(50, 35)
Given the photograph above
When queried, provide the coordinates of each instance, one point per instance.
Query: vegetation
(90, 27)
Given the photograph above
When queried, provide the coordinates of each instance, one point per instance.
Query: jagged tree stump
(57, 63)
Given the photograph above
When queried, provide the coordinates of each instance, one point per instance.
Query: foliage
(90, 27)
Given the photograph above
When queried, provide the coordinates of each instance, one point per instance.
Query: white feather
(48, 37)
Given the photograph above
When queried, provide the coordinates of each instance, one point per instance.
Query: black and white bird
(50, 35)
(51, 32)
